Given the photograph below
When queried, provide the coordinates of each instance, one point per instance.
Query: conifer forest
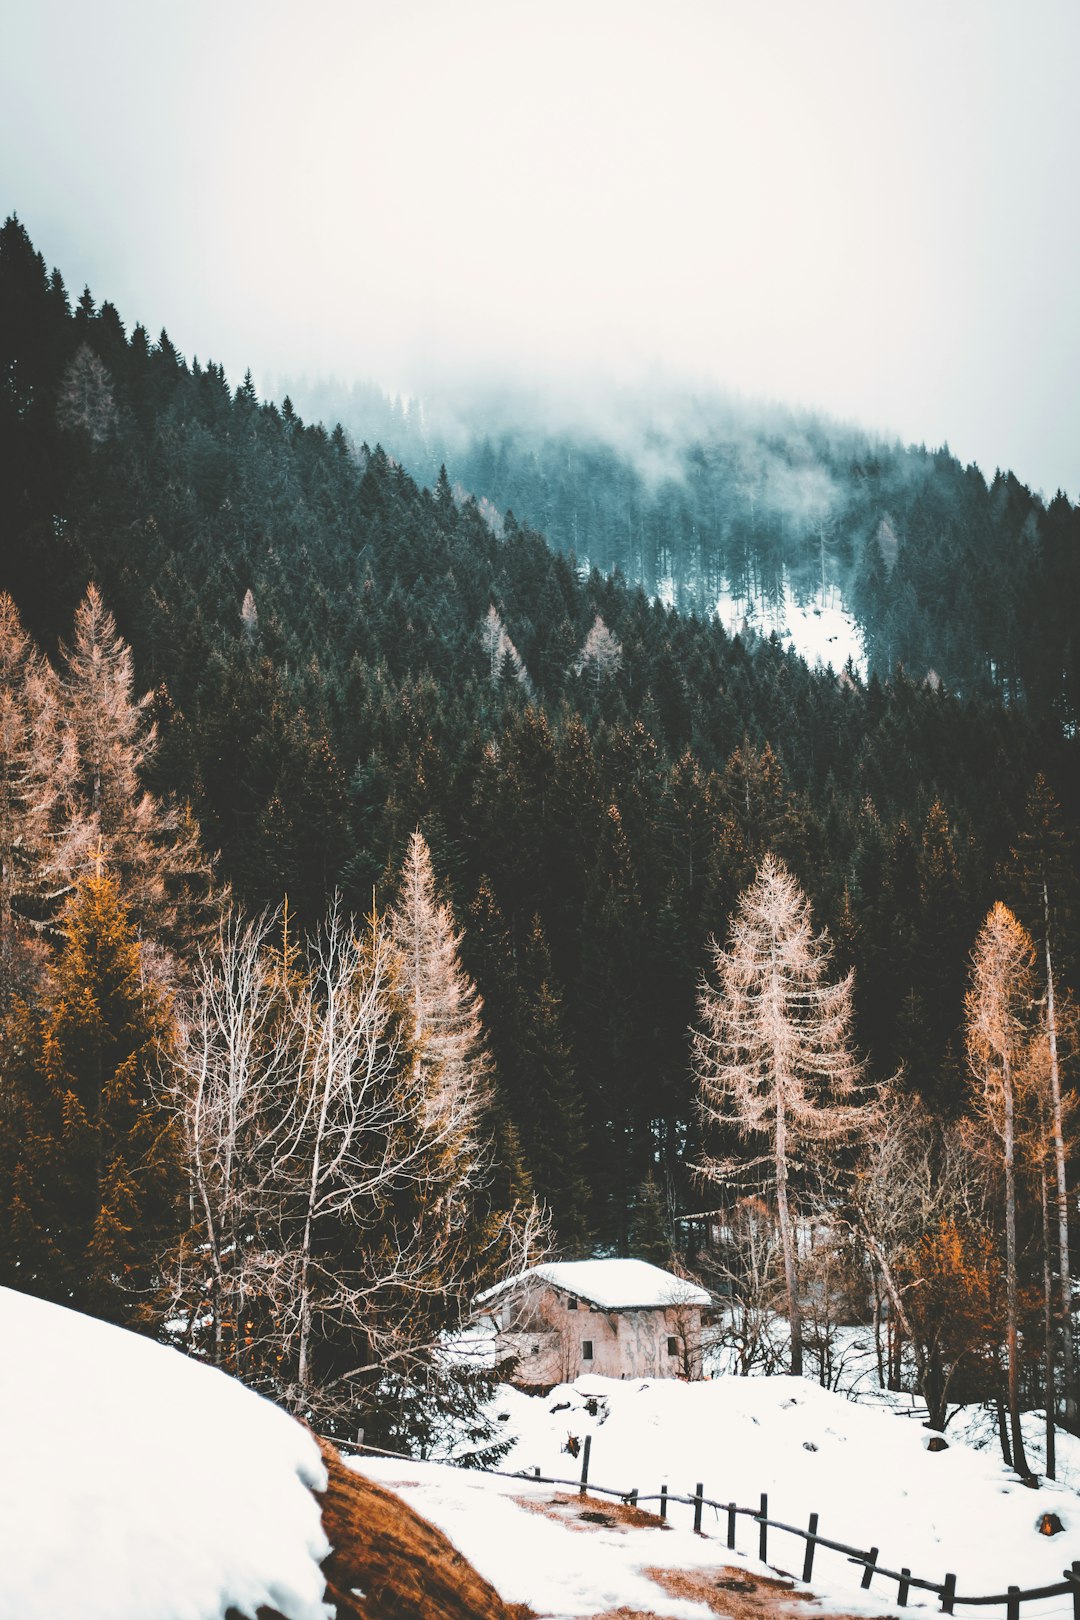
(406, 875)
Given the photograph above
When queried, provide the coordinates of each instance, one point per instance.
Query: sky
(863, 206)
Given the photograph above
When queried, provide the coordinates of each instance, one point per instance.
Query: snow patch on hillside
(821, 631)
(139, 1485)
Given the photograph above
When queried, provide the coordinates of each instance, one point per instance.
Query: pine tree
(772, 1056)
(93, 1157)
(548, 1097)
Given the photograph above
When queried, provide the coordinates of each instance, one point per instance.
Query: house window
(672, 1346)
(534, 1350)
(571, 1305)
(586, 1349)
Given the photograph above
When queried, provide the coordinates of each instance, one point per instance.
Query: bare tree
(746, 1265)
(335, 1181)
(233, 1077)
(916, 1180)
(773, 1057)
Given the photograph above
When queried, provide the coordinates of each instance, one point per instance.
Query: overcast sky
(870, 207)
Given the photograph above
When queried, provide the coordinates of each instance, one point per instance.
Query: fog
(867, 209)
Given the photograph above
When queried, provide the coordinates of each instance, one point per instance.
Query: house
(618, 1318)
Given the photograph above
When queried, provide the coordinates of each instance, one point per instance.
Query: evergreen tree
(93, 1159)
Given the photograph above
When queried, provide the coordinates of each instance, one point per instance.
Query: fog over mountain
(858, 210)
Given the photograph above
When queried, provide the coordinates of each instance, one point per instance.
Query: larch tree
(151, 846)
(772, 1054)
(999, 1008)
(601, 653)
(501, 653)
(40, 831)
(446, 1009)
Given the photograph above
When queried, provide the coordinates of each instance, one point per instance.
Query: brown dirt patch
(592, 1513)
(402, 1567)
(734, 1593)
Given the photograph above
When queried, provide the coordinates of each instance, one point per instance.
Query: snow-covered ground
(820, 631)
(139, 1485)
(865, 1470)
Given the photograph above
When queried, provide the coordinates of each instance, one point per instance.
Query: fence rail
(868, 1557)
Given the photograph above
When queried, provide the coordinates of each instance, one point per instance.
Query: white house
(618, 1318)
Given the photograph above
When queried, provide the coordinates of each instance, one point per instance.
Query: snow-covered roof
(141, 1485)
(614, 1285)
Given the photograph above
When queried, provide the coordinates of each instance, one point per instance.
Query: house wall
(547, 1330)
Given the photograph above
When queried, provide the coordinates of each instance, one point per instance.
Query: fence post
(904, 1589)
(663, 1501)
(585, 1464)
(631, 1500)
(808, 1555)
(1073, 1575)
(948, 1594)
(868, 1572)
(731, 1526)
(1014, 1603)
(699, 1498)
(763, 1529)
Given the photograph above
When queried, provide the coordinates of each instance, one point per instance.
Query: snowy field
(864, 1469)
(139, 1485)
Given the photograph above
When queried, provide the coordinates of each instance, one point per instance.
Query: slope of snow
(866, 1472)
(139, 1485)
(615, 1285)
(821, 632)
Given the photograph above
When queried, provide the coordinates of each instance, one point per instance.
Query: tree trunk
(1012, 1337)
(877, 1333)
(1049, 1393)
(787, 1238)
(1064, 1261)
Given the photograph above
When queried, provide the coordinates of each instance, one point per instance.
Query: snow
(864, 1469)
(614, 1285)
(140, 1485)
(821, 631)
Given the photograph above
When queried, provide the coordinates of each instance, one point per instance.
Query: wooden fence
(867, 1557)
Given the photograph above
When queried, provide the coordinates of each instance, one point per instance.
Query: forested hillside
(699, 497)
(339, 656)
